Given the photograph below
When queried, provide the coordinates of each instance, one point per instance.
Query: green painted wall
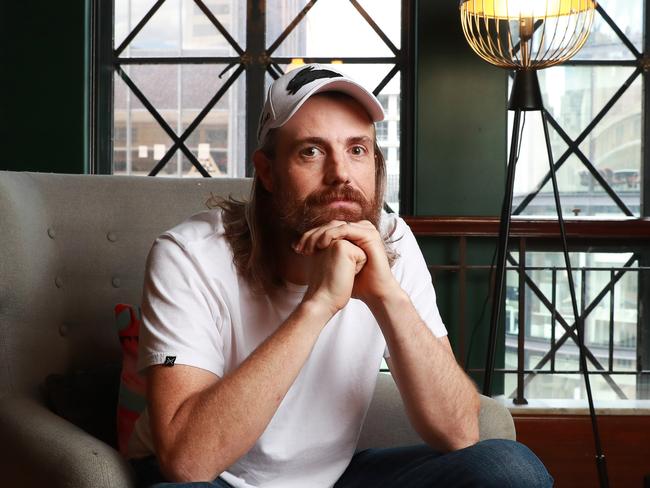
(461, 163)
(43, 100)
(461, 154)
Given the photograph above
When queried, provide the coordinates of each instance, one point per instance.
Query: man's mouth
(342, 203)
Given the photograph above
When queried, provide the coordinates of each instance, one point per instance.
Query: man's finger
(361, 260)
(358, 234)
(299, 246)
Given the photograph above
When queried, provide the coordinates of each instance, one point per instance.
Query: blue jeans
(494, 463)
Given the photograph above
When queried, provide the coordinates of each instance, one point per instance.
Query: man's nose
(337, 169)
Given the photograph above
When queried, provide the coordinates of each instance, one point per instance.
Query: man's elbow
(455, 439)
(179, 468)
(466, 438)
(464, 432)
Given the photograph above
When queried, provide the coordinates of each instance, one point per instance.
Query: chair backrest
(73, 246)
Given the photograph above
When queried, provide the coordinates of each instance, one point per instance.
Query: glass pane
(279, 14)
(138, 140)
(574, 95)
(614, 146)
(159, 84)
(127, 14)
(628, 16)
(580, 195)
(388, 138)
(598, 268)
(603, 42)
(200, 83)
(180, 28)
(331, 28)
(232, 15)
(179, 94)
(533, 158)
(387, 14)
(216, 141)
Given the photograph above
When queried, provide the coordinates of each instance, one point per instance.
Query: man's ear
(263, 169)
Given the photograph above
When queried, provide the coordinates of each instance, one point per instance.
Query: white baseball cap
(287, 94)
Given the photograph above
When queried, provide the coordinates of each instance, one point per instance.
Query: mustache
(300, 215)
(345, 193)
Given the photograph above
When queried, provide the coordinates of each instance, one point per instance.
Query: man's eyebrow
(323, 142)
(310, 140)
(360, 139)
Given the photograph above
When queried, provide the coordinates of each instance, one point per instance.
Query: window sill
(576, 407)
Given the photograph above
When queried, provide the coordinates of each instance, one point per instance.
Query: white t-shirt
(197, 309)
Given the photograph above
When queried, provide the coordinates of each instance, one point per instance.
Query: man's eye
(358, 150)
(310, 152)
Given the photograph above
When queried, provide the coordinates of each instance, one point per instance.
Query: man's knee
(507, 464)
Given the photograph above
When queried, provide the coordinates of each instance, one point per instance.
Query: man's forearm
(214, 427)
(440, 399)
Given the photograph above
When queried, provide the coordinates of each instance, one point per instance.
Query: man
(272, 317)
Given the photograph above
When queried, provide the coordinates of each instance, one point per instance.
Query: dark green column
(43, 97)
(461, 161)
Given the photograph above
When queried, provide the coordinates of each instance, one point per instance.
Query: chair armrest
(387, 425)
(495, 421)
(42, 449)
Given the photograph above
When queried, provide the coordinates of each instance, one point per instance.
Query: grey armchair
(72, 247)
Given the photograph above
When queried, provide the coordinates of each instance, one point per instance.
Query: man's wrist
(316, 311)
(391, 296)
(389, 306)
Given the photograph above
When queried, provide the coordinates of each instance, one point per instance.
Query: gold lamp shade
(526, 34)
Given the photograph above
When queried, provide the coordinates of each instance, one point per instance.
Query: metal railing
(529, 237)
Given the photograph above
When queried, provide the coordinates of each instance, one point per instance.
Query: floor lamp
(525, 36)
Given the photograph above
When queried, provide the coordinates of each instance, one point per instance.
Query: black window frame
(256, 61)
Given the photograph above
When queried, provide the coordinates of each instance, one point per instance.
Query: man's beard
(297, 216)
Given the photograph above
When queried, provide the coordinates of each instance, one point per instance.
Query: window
(187, 89)
(594, 104)
(382, 131)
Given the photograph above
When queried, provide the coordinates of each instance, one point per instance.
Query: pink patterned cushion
(131, 400)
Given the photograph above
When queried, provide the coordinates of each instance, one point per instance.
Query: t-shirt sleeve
(181, 323)
(412, 273)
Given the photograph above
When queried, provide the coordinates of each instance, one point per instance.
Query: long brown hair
(249, 224)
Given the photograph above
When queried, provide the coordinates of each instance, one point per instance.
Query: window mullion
(408, 102)
(255, 57)
(100, 90)
(643, 317)
(645, 158)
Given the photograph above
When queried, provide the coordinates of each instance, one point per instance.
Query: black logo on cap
(307, 75)
(170, 360)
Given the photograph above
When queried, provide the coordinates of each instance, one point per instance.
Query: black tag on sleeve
(170, 360)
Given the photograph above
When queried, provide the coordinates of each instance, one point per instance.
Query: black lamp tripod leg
(580, 330)
(500, 270)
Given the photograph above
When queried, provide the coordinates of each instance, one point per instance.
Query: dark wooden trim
(620, 229)
(565, 445)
